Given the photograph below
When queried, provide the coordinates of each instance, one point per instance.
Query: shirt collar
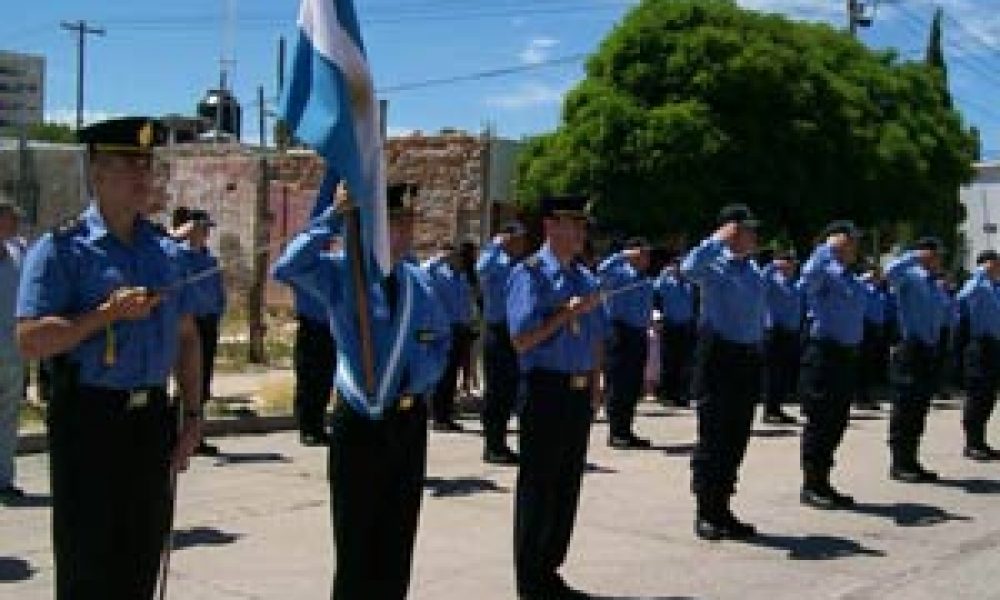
(97, 227)
(550, 264)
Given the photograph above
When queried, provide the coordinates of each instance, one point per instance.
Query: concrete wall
(53, 174)
(981, 200)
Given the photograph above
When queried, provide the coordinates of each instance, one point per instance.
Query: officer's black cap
(788, 255)
(739, 214)
(129, 135)
(515, 228)
(636, 242)
(842, 226)
(929, 243)
(987, 256)
(180, 216)
(566, 205)
(401, 197)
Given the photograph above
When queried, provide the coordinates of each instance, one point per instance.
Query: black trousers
(111, 496)
(677, 344)
(728, 378)
(443, 404)
(376, 473)
(554, 433)
(208, 332)
(781, 374)
(982, 371)
(624, 367)
(501, 372)
(913, 377)
(873, 368)
(315, 362)
(829, 376)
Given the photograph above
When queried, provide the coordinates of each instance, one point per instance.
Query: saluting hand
(130, 304)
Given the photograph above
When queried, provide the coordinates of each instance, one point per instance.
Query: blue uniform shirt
(876, 303)
(452, 288)
(209, 293)
(494, 268)
(836, 299)
(676, 295)
(634, 307)
(785, 301)
(75, 270)
(980, 304)
(539, 287)
(414, 355)
(918, 301)
(733, 298)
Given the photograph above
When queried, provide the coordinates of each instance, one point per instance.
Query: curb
(38, 442)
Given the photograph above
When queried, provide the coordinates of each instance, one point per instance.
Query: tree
(935, 54)
(692, 104)
(52, 132)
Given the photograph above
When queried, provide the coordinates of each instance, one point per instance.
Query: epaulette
(67, 227)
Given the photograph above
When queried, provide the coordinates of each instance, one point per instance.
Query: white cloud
(395, 131)
(67, 116)
(529, 95)
(537, 50)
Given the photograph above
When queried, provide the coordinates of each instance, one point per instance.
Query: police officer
(453, 291)
(629, 313)
(558, 331)
(105, 295)
(830, 359)
(499, 359)
(728, 362)
(377, 456)
(676, 297)
(980, 306)
(875, 343)
(194, 228)
(785, 307)
(913, 368)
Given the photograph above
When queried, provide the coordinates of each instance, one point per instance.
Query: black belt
(134, 399)
(835, 346)
(577, 381)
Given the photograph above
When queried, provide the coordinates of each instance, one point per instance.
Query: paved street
(254, 525)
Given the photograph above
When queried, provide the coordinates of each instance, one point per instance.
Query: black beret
(636, 242)
(513, 228)
(986, 256)
(842, 226)
(130, 135)
(739, 214)
(180, 216)
(929, 243)
(788, 255)
(400, 197)
(566, 205)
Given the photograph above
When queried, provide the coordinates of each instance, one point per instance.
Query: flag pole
(352, 241)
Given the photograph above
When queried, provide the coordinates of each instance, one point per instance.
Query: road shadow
(13, 570)
(29, 501)
(814, 547)
(684, 449)
(596, 469)
(203, 536)
(784, 432)
(604, 597)
(460, 487)
(225, 459)
(868, 416)
(909, 514)
(946, 405)
(972, 485)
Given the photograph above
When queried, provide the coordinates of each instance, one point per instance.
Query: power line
(480, 75)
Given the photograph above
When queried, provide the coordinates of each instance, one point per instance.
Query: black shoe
(738, 530)
(825, 498)
(503, 457)
(11, 494)
(779, 418)
(981, 453)
(314, 439)
(869, 405)
(639, 442)
(562, 591)
(447, 427)
(912, 474)
(628, 442)
(206, 449)
(712, 530)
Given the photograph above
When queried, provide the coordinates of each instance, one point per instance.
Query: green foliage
(693, 104)
(52, 132)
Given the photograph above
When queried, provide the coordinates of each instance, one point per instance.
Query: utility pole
(82, 30)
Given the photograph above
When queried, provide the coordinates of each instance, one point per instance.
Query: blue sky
(159, 58)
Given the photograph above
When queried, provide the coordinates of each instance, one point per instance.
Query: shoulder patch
(67, 227)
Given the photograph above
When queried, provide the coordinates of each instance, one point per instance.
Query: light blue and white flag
(330, 104)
